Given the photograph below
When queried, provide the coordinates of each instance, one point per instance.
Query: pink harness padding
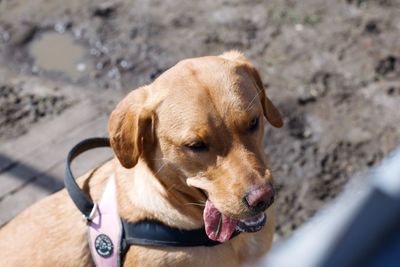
(105, 229)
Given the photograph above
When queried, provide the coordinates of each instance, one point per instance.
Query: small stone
(81, 67)
(104, 10)
(299, 27)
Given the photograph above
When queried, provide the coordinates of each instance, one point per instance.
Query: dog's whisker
(171, 187)
(156, 159)
(162, 166)
(176, 186)
(252, 101)
(196, 204)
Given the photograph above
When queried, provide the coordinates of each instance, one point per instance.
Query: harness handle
(80, 199)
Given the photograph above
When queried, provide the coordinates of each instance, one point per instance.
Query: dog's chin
(220, 227)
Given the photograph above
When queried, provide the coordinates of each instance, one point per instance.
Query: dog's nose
(260, 198)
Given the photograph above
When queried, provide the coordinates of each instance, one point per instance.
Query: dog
(188, 150)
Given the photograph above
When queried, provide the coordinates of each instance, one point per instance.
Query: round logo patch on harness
(103, 245)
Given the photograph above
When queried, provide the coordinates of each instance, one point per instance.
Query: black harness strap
(154, 233)
(147, 233)
(81, 200)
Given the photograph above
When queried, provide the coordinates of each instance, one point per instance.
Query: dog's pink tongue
(211, 218)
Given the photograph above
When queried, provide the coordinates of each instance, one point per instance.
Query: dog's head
(202, 121)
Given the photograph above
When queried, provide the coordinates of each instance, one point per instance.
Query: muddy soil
(332, 68)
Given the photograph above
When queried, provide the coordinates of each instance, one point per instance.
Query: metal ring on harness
(92, 213)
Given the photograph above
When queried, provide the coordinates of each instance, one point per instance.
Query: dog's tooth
(240, 229)
(255, 221)
(251, 223)
(261, 218)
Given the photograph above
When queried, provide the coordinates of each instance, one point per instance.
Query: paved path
(32, 165)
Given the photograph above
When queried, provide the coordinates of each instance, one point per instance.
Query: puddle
(55, 52)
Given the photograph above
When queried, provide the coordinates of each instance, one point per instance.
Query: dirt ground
(332, 68)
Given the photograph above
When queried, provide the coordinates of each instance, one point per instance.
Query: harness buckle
(89, 218)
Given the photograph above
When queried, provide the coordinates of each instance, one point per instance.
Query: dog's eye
(253, 125)
(197, 146)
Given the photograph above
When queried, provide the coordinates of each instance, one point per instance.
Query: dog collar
(109, 235)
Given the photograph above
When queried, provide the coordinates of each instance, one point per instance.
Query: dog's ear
(131, 127)
(270, 111)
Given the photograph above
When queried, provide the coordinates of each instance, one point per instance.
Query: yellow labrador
(189, 154)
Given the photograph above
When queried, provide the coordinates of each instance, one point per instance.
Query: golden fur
(211, 99)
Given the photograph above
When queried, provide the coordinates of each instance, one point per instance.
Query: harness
(110, 236)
